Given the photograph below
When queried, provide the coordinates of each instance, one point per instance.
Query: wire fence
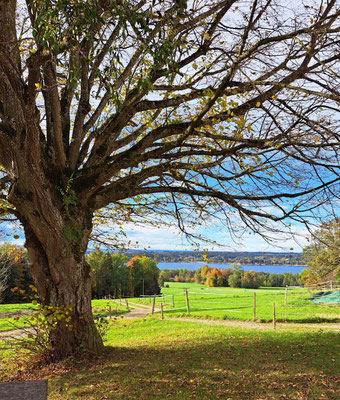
(328, 285)
(292, 304)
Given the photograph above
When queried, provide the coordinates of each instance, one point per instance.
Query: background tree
(118, 276)
(15, 274)
(323, 255)
(4, 272)
(214, 277)
(128, 109)
(249, 280)
(235, 278)
(145, 274)
(110, 274)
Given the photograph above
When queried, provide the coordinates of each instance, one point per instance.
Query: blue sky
(169, 238)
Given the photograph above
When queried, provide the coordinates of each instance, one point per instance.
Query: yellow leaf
(258, 104)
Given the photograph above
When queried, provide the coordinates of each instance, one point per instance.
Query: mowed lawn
(154, 359)
(150, 358)
(229, 303)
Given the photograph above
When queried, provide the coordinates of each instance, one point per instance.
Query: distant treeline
(118, 275)
(122, 275)
(220, 257)
(115, 275)
(234, 277)
(15, 276)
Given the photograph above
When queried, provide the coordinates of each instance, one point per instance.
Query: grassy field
(152, 359)
(229, 303)
(101, 308)
(213, 303)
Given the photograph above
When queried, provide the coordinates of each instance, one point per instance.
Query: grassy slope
(100, 308)
(155, 359)
(229, 303)
(209, 303)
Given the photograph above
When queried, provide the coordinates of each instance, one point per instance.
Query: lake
(273, 269)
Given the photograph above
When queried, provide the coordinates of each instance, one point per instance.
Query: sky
(169, 238)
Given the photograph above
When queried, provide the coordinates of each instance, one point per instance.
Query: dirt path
(143, 310)
(139, 311)
(14, 333)
(259, 325)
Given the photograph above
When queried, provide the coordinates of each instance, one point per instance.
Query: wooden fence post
(286, 295)
(153, 304)
(274, 317)
(254, 307)
(187, 300)
(110, 313)
(162, 315)
(173, 301)
(127, 303)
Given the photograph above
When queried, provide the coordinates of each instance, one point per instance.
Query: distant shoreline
(266, 268)
(254, 258)
(239, 263)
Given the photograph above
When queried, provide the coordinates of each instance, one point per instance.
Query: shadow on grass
(228, 366)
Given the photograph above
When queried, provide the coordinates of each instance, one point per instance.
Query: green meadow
(153, 359)
(15, 316)
(228, 303)
(208, 303)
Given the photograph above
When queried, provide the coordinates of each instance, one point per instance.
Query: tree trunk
(57, 232)
(67, 282)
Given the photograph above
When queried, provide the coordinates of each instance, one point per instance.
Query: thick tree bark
(66, 282)
(57, 235)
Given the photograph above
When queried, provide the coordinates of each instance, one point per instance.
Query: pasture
(151, 359)
(154, 359)
(228, 303)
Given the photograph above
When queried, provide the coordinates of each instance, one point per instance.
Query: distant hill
(228, 257)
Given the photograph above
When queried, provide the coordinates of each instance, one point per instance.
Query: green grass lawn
(7, 311)
(152, 359)
(101, 308)
(229, 303)
(9, 323)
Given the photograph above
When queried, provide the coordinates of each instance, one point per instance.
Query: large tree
(185, 109)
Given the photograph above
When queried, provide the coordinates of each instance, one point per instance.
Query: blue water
(273, 269)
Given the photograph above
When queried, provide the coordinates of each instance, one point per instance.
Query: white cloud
(170, 238)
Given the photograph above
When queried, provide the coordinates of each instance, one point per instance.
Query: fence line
(291, 303)
(328, 285)
(256, 304)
